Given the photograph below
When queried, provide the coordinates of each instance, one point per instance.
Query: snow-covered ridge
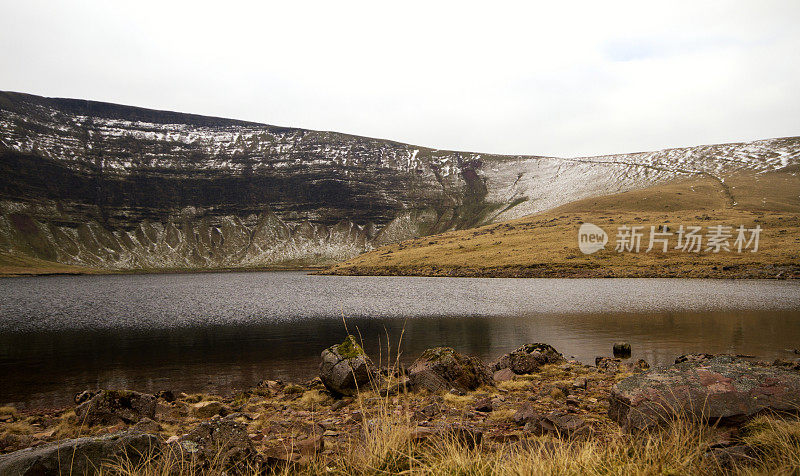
(271, 194)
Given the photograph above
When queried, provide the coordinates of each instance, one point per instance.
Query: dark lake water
(227, 331)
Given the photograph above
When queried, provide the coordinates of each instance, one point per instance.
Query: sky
(541, 78)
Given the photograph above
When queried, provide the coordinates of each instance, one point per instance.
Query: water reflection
(276, 326)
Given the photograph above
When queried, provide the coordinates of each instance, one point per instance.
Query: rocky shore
(529, 400)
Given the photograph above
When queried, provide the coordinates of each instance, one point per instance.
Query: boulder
(110, 407)
(622, 349)
(722, 389)
(221, 443)
(345, 368)
(443, 369)
(80, 455)
(528, 358)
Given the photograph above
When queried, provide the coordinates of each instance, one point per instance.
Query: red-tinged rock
(723, 389)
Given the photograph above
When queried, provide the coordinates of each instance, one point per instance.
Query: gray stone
(79, 456)
(346, 368)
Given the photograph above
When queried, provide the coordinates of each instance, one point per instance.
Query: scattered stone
(166, 395)
(312, 445)
(80, 455)
(528, 358)
(442, 368)
(431, 410)
(222, 442)
(345, 368)
(341, 403)
(503, 375)
(580, 382)
(484, 405)
(640, 365)
(693, 358)
(617, 365)
(723, 389)
(208, 409)
(572, 400)
(557, 423)
(787, 364)
(525, 414)
(109, 407)
(729, 457)
(146, 425)
(622, 349)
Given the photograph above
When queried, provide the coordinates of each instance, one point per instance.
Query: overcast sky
(554, 78)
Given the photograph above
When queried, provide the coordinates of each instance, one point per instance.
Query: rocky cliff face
(112, 186)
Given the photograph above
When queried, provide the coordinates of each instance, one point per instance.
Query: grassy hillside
(12, 265)
(546, 244)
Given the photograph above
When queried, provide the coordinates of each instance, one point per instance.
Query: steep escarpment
(102, 185)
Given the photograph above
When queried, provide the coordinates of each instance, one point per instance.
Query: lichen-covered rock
(221, 442)
(723, 389)
(109, 407)
(80, 455)
(528, 358)
(443, 369)
(346, 368)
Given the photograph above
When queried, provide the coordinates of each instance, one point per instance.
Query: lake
(219, 332)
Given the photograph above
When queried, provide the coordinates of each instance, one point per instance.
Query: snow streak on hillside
(122, 187)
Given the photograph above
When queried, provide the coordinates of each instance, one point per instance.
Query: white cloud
(565, 79)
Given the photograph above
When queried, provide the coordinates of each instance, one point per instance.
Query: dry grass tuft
(515, 385)
(458, 401)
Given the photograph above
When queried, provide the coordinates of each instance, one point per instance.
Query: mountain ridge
(95, 184)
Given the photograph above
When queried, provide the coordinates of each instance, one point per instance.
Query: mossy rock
(346, 369)
(349, 348)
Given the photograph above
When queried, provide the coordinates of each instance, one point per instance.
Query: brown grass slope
(546, 244)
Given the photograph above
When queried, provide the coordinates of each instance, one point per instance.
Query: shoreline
(532, 396)
(32, 272)
(777, 272)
